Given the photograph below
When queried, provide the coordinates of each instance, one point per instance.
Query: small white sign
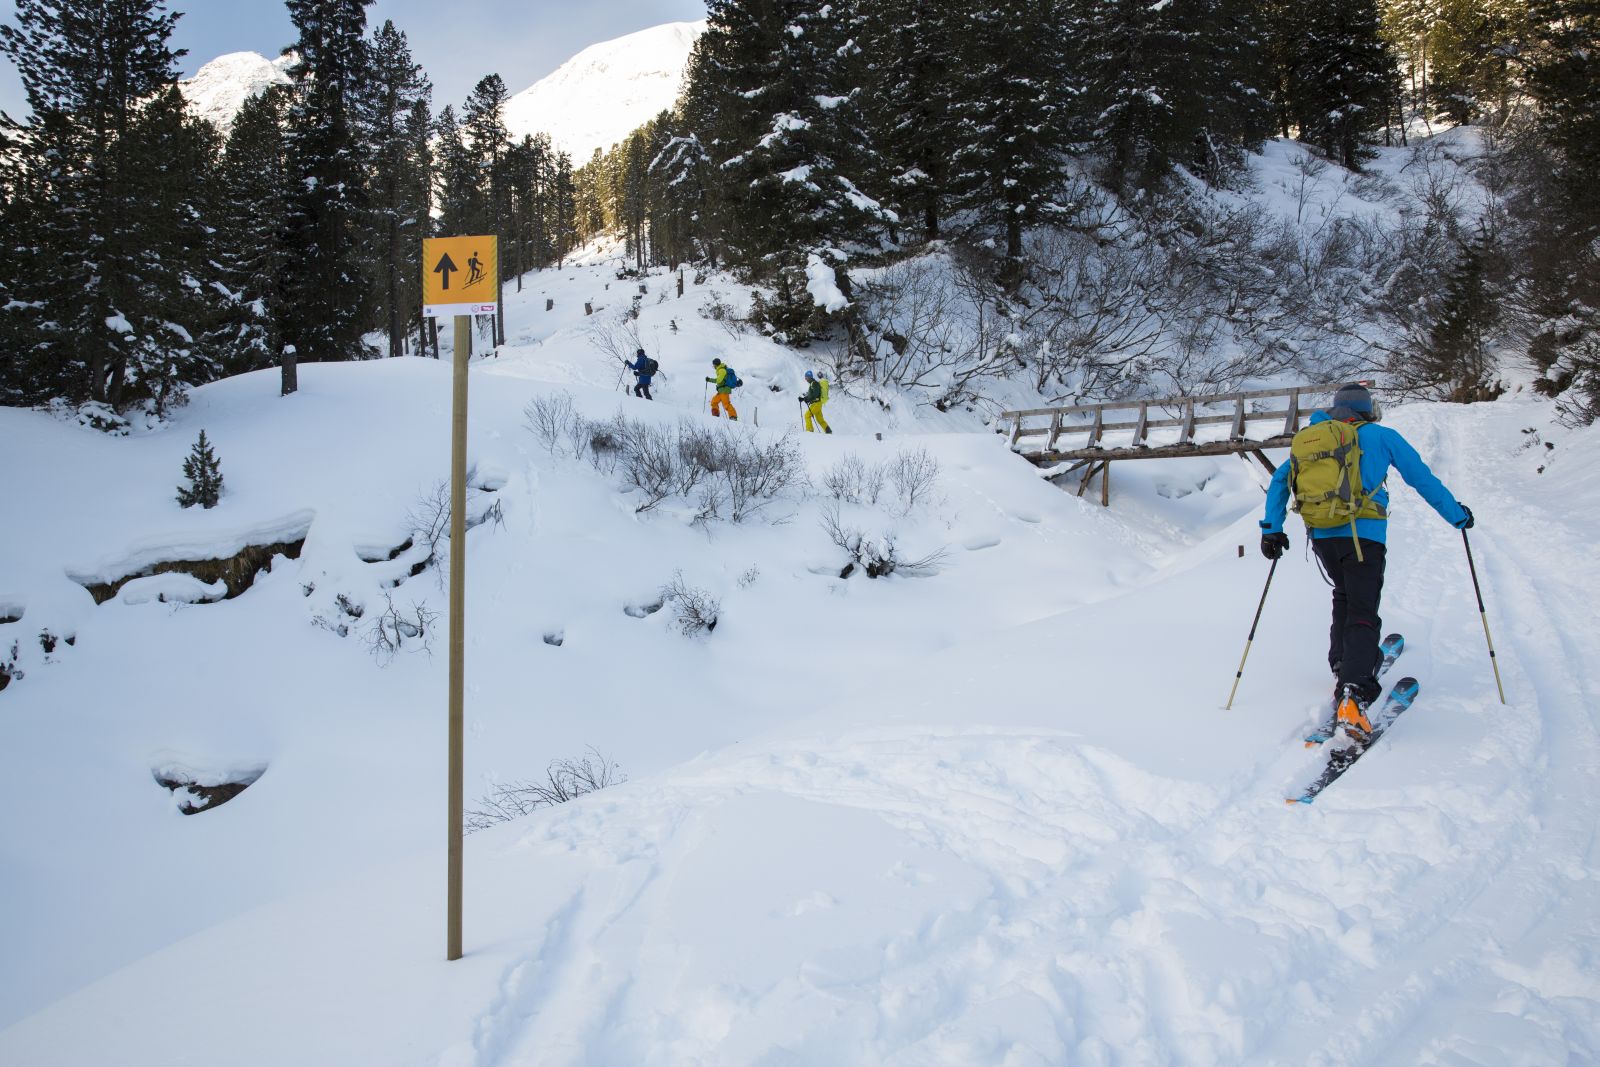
(446, 311)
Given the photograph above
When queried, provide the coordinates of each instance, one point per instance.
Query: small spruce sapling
(204, 472)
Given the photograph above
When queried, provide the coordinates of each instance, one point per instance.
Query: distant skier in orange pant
(726, 381)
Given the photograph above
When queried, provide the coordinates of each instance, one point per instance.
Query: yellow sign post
(460, 276)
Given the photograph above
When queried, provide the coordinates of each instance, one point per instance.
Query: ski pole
(1251, 639)
(1484, 615)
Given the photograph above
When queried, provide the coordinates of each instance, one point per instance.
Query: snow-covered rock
(219, 89)
(605, 91)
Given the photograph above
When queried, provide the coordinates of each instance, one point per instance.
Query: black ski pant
(1357, 632)
(643, 389)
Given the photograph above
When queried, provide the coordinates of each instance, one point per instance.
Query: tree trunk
(289, 362)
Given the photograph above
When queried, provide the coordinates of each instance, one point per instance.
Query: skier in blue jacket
(1357, 582)
(644, 368)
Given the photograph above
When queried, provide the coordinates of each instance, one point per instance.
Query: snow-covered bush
(877, 556)
(855, 481)
(394, 629)
(694, 610)
(564, 780)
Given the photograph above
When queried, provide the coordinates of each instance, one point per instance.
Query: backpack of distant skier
(650, 367)
(822, 379)
(731, 381)
(1325, 478)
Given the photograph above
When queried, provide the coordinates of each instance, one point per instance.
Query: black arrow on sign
(444, 269)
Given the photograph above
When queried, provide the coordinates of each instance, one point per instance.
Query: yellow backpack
(823, 379)
(1325, 478)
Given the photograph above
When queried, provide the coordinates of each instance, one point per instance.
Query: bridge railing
(1052, 435)
(1092, 436)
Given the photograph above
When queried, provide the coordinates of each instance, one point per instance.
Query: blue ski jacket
(1381, 448)
(637, 366)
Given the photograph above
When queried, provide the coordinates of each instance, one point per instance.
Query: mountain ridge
(588, 103)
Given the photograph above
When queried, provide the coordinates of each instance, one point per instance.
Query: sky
(456, 41)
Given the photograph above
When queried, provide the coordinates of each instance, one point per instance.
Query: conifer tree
(204, 472)
(1559, 209)
(457, 192)
(252, 220)
(89, 69)
(325, 283)
(487, 142)
(398, 178)
(1343, 79)
(1455, 364)
(1013, 116)
(912, 65)
(771, 99)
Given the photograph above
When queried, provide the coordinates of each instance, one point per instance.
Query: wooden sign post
(460, 278)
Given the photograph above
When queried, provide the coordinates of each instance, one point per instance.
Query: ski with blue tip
(1345, 748)
(1390, 649)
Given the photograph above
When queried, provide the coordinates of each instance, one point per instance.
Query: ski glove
(1466, 523)
(1274, 545)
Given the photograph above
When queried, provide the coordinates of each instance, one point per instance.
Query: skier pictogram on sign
(460, 276)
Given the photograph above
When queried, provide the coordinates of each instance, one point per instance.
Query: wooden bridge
(1091, 437)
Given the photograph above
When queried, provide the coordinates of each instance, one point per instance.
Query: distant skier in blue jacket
(644, 368)
(1357, 578)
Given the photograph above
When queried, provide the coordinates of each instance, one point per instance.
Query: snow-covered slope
(988, 815)
(604, 92)
(219, 89)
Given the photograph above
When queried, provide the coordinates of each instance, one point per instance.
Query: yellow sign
(460, 276)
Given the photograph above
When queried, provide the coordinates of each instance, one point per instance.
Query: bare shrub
(923, 331)
(755, 474)
(728, 473)
(694, 610)
(748, 578)
(429, 519)
(652, 463)
(617, 336)
(878, 556)
(394, 628)
(550, 418)
(564, 780)
(913, 475)
(854, 481)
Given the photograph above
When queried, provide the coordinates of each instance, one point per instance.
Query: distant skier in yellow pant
(813, 402)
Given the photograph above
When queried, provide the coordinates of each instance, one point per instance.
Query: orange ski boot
(1352, 715)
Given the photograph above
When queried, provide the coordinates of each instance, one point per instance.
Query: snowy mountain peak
(219, 89)
(604, 92)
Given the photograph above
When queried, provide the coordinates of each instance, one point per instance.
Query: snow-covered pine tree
(173, 161)
(457, 192)
(563, 209)
(1014, 103)
(252, 213)
(204, 472)
(325, 284)
(488, 142)
(911, 63)
(1343, 78)
(89, 69)
(1456, 364)
(773, 98)
(398, 179)
(1558, 208)
(527, 186)
(677, 190)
